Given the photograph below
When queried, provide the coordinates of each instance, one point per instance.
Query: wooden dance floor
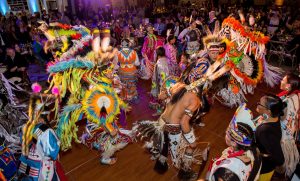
(82, 164)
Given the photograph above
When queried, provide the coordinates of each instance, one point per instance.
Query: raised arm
(218, 73)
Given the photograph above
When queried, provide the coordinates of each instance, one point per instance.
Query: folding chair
(291, 54)
(277, 49)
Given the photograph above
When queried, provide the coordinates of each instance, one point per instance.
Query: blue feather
(64, 117)
(72, 63)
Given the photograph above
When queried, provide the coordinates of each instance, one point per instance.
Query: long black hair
(178, 95)
(275, 105)
(160, 52)
(185, 75)
(294, 80)
(171, 37)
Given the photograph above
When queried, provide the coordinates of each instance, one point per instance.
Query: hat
(40, 104)
(241, 128)
(212, 42)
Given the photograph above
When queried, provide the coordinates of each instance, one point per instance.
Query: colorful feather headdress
(212, 42)
(251, 44)
(81, 72)
(243, 57)
(238, 134)
(39, 104)
(100, 106)
(212, 39)
(62, 37)
(245, 39)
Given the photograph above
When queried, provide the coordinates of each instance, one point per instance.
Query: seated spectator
(16, 65)
(23, 33)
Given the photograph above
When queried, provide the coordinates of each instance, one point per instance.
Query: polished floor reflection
(134, 163)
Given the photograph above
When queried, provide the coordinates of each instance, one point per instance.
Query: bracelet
(190, 137)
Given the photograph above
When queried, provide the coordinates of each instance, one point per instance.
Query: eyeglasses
(259, 104)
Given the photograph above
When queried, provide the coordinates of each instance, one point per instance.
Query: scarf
(152, 38)
(286, 93)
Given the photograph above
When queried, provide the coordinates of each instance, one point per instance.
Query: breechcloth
(172, 136)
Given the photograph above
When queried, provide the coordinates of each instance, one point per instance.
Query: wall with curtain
(33, 6)
(4, 8)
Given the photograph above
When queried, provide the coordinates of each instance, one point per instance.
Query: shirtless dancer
(173, 129)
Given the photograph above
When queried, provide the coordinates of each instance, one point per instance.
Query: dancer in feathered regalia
(101, 105)
(82, 74)
(126, 62)
(241, 160)
(173, 132)
(244, 58)
(239, 57)
(206, 57)
(40, 145)
(242, 54)
(197, 69)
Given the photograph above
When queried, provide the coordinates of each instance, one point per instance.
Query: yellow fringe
(70, 130)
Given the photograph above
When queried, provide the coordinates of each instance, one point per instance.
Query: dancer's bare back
(176, 113)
